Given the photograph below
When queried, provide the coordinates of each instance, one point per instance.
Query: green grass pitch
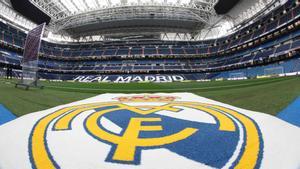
(264, 95)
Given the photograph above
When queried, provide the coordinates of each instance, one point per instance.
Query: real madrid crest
(137, 124)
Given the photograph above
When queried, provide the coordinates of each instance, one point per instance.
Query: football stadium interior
(154, 41)
(244, 53)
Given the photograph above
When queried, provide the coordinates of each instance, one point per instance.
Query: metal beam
(73, 3)
(109, 2)
(85, 4)
(97, 3)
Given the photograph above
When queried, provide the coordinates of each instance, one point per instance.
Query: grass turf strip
(264, 95)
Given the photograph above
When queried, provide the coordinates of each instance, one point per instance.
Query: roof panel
(115, 2)
(64, 8)
(69, 5)
(91, 3)
(78, 6)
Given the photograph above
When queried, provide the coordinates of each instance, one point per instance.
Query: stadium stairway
(291, 113)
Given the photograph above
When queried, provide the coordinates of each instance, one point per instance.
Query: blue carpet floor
(5, 115)
(291, 114)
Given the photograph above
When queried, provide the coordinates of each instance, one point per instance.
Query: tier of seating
(278, 68)
(274, 20)
(283, 46)
(288, 67)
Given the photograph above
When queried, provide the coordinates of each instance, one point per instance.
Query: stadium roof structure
(106, 20)
(84, 17)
